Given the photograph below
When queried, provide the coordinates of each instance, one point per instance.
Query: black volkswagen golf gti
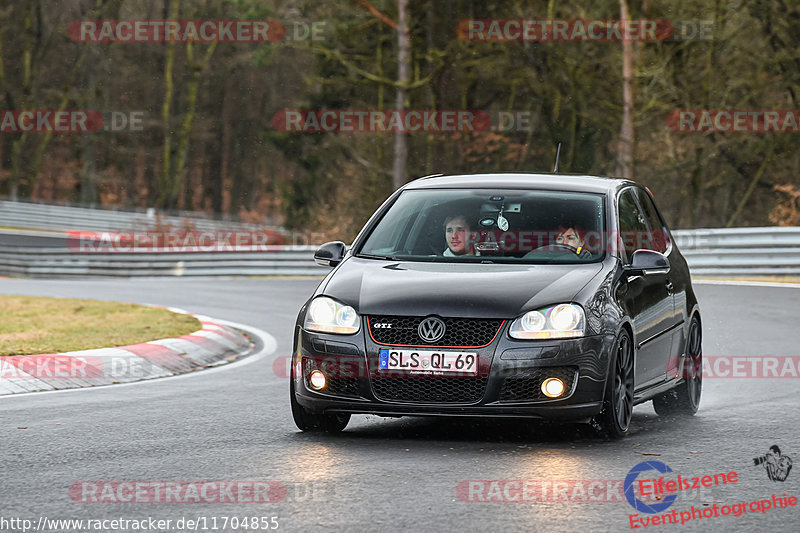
(505, 295)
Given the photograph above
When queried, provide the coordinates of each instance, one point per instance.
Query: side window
(659, 240)
(387, 238)
(632, 225)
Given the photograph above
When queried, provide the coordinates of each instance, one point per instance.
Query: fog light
(317, 380)
(552, 387)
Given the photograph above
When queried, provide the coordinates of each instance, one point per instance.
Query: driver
(572, 235)
(456, 233)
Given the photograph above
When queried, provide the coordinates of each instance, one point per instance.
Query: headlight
(557, 322)
(325, 314)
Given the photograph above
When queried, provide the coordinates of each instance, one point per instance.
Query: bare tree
(399, 169)
(625, 153)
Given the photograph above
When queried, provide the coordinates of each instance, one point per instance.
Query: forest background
(200, 134)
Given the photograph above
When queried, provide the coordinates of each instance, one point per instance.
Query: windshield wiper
(382, 257)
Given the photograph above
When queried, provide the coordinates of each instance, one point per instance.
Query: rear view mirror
(330, 254)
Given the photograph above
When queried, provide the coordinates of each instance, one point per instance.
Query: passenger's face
(456, 234)
(570, 237)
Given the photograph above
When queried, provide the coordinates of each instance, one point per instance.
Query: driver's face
(456, 235)
(569, 237)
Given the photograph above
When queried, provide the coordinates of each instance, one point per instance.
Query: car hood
(376, 287)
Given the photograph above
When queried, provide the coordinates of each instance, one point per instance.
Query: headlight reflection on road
(552, 465)
(313, 462)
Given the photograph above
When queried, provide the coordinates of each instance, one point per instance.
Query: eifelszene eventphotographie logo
(630, 481)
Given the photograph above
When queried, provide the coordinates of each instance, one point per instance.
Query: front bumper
(507, 383)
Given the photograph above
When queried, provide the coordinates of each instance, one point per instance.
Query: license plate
(428, 361)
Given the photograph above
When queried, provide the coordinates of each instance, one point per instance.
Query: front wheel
(307, 421)
(615, 418)
(685, 398)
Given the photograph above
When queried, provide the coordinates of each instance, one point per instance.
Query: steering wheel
(557, 247)
(431, 249)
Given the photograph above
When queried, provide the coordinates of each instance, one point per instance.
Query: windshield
(495, 225)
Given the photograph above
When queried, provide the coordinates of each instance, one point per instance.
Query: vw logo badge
(431, 329)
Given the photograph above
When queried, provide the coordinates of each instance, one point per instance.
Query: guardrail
(709, 252)
(58, 217)
(741, 251)
(62, 263)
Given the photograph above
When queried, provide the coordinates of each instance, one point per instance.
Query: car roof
(517, 180)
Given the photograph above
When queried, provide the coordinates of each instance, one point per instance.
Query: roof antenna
(558, 153)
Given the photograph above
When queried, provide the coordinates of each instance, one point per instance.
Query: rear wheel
(615, 418)
(685, 398)
(308, 421)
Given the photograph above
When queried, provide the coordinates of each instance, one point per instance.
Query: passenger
(457, 235)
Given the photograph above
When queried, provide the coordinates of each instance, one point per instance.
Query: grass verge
(34, 325)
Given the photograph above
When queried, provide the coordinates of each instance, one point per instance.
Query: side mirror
(646, 262)
(330, 254)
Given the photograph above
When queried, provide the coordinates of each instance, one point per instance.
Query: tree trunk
(625, 154)
(166, 114)
(5, 96)
(27, 57)
(88, 182)
(179, 172)
(399, 169)
(430, 28)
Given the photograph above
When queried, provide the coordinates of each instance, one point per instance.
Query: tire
(684, 399)
(306, 421)
(615, 418)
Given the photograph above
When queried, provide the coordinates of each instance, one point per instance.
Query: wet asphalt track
(386, 474)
